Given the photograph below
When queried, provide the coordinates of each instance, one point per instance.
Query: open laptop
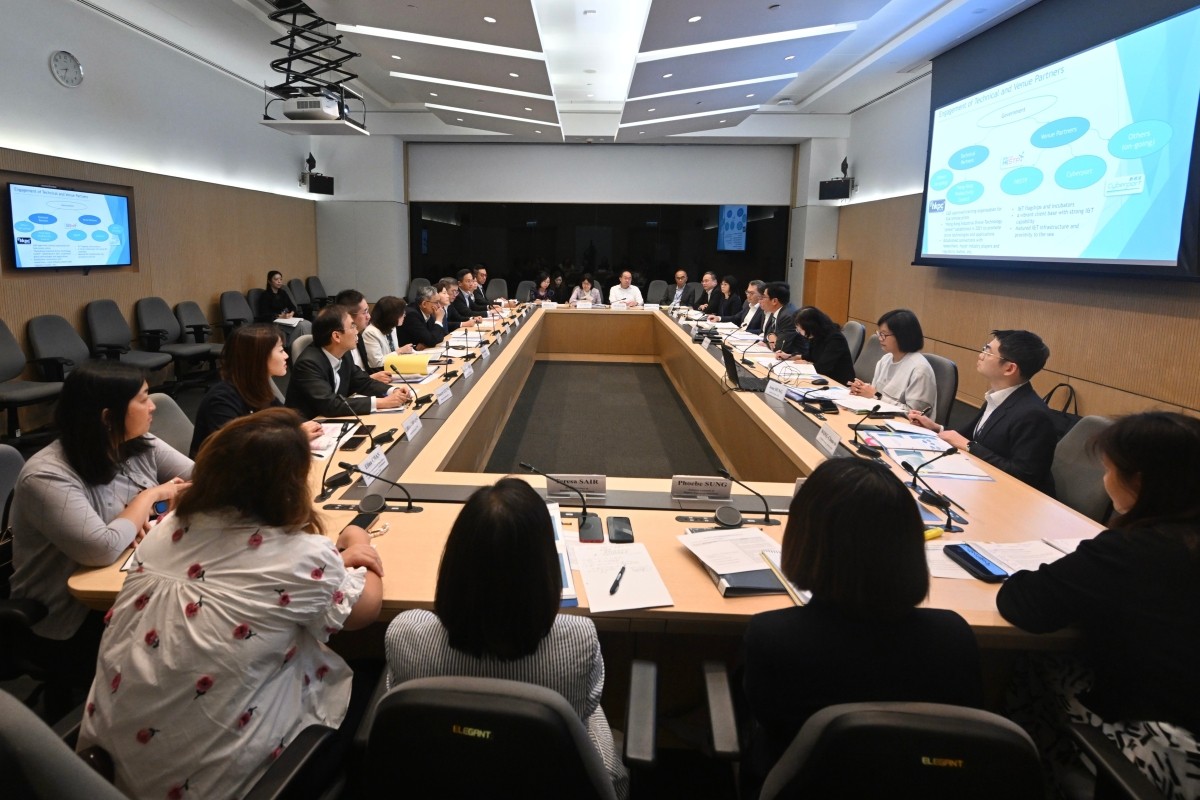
(747, 383)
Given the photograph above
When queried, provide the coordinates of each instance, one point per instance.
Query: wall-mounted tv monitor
(1082, 165)
(56, 227)
(731, 228)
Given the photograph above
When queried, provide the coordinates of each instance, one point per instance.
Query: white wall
(888, 142)
(141, 106)
(363, 245)
(682, 174)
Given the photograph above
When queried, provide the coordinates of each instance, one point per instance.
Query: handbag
(1063, 418)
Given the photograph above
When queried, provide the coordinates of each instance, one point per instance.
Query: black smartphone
(353, 443)
(365, 429)
(975, 563)
(386, 436)
(619, 530)
(364, 520)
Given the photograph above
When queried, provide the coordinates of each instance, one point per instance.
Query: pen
(617, 583)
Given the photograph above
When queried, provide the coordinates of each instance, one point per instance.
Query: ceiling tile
(515, 24)
(667, 25)
(650, 131)
(493, 102)
(695, 102)
(526, 130)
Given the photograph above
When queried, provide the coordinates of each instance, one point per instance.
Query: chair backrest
(945, 372)
(496, 287)
(525, 291)
(252, 297)
(864, 365)
(1078, 474)
(696, 288)
(456, 737)
(925, 750)
(107, 325)
(316, 289)
(414, 286)
(298, 345)
(51, 336)
(188, 313)
(11, 462)
(234, 308)
(12, 358)
(855, 333)
(153, 314)
(655, 291)
(298, 292)
(170, 423)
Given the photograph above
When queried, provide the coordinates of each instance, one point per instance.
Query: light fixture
(398, 58)
(513, 75)
(640, 133)
(442, 41)
(747, 41)
(696, 18)
(490, 20)
(750, 95)
(537, 131)
(788, 58)
(788, 76)
(459, 119)
(722, 122)
(651, 110)
(690, 116)
(668, 75)
(527, 108)
(478, 113)
(434, 94)
(464, 85)
(591, 95)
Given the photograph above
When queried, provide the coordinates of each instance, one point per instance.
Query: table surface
(464, 431)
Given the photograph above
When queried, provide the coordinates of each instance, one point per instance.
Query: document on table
(640, 586)
(940, 565)
(323, 446)
(1013, 556)
(911, 441)
(792, 367)
(956, 466)
(854, 403)
(1065, 545)
(727, 552)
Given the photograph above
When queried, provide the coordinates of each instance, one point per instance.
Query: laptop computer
(749, 383)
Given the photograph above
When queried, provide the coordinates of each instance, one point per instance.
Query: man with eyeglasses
(1013, 431)
(750, 317)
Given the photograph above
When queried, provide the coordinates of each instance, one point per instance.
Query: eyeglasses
(883, 335)
(986, 350)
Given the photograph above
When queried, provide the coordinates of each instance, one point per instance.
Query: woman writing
(379, 338)
(1134, 593)
(903, 376)
(730, 302)
(542, 291)
(252, 356)
(585, 292)
(214, 656)
(495, 613)
(275, 303)
(854, 539)
(83, 500)
(828, 349)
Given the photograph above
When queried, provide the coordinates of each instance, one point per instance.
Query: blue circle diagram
(43, 219)
(1080, 172)
(1022, 180)
(1059, 132)
(968, 157)
(44, 236)
(76, 235)
(89, 219)
(1140, 139)
(99, 236)
(965, 192)
(24, 226)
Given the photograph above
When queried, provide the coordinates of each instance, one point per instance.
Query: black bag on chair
(1064, 418)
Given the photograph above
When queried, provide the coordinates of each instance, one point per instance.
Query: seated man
(360, 313)
(680, 294)
(468, 304)
(779, 316)
(448, 288)
(424, 323)
(1013, 431)
(750, 317)
(324, 375)
(625, 293)
(710, 295)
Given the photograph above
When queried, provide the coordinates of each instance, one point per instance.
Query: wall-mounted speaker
(320, 184)
(834, 190)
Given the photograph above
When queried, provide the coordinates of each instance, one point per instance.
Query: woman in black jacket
(825, 343)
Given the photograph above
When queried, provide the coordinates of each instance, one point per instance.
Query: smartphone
(619, 530)
(594, 534)
(365, 429)
(975, 563)
(353, 443)
(364, 520)
(386, 436)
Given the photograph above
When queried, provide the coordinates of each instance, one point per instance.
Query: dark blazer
(756, 321)
(688, 299)
(802, 659)
(711, 299)
(414, 329)
(1018, 438)
(728, 307)
(785, 327)
(453, 319)
(221, 404)
(310, 390)
(831, 355)
(271, 305)
(465, 310)
(479, 298)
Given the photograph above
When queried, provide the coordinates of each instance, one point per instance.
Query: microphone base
(386, 509)
(867, 450)
(767, 522)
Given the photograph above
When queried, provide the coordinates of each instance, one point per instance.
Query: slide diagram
(66, 228)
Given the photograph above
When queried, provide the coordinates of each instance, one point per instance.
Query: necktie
(770, 326)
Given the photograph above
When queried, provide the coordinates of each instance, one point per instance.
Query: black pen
(617, 583)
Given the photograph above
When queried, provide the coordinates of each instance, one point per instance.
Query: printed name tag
(775, 389)
(444, 394)
(467, 369)
(588, 484)
(828, 440)
(699, 487)
(375, 463)
(411, 425)
(485, 354)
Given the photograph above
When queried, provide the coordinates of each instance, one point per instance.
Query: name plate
(583, 304)
(411, 425)
(444, 394)
(375, 463)
(467, 369)
(652, 306)
(591, 485)
(620, 305)
(828, 440)
(485, 353)
(775, 389)
(549, 304)
(799, 483)
(699, 487)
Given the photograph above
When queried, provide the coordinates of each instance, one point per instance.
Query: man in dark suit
(779, 315)
(447, 288)
(468, 304)
(710, 298)
(324, 372)
(750, 316)
(680, 294)
(1013, 431)
(480, 295)
(424, 322)
(360, 312)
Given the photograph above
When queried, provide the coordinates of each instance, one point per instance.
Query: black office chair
(252, 298)
(945, 372)
(304, 303)
(414, 286)
(316, 291)
(14, 392)
(463, 737)
(111, 337)
(855, 333)
(1079, 473)
(655, 292)
(196, 329)
(161, 331)
(525, 290)
(235, 312)
(496, 288)
(57, 348)
(864, 365)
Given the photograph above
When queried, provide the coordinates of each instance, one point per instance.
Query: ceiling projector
(321, 107)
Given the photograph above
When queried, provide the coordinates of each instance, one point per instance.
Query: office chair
(170, 423)
(235, 312)
(856, 334)
(460, 737)
(14, 392)
(414, 286)
(655, 292)
(317, 293)
(196, 329)
(302, 341)
(304, 304)
(864, 365)
(111, 336)
(161, 331)
(57, 348)
(1078, 473)
(496, 288)
(252, 298)
(17, 617)
(695, 287)
(945, 372)
(525, 290)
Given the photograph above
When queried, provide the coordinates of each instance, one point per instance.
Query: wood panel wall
(194, 241)
(1125, 344)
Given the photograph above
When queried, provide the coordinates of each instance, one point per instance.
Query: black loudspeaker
(834, 190)
(320, 184)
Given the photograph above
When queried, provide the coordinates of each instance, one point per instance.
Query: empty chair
(111, 337)
(695, 288)
(235, 311)
(864, 365)
(926, 750)
(196, 329)
(161, 331)
(414, 286)
(496, 288)
(170, 423)
(655, 291)
(252, 298)
(14, 392)
(316, 291)
(524, 291)
(855, 333)
(302, 341)
(57, 348)
(304, 304)
(1078, 473)
(945, 372)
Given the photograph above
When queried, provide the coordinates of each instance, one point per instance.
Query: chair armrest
(363, 734)
(110, 352)
(153, 338)
(54, 367)
(721, 718)
(21, 613)
(641, 715)
(200, 333)
(284, 777)
(230, 325)
(1113, 769)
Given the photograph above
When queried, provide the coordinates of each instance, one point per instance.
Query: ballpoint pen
(617, 583)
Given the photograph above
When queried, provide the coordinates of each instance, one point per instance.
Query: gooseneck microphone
(766, 520)
(328, 484)
(815, 411)
(915, 472)
(588, 523)
(372, 506)
(863, 448)
(365, 428)
(929, 495)
(742, 352)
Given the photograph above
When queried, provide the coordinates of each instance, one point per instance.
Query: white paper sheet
(729, 551)
(641, 586)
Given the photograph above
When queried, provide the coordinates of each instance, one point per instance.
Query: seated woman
(1134, 593)
(81, 501)
(854, 539)
(730, 302)
(542, 291)
(585, 292)
(828, 349)
(903, 376)
(275, 303)
(379, 339)
(252, 356)
(214, 657)
(495, 613)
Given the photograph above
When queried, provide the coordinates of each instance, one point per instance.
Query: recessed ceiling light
(397, 58)
(696, 18)
(651, 109)
(490, 20)
(750, 95)
(722, 122)
(433, 94)
(537, 131)
(527, 108)
(513, 75)
(591, 95)
(459, 119)
(669, 74)
(788, 58)
(640, 133)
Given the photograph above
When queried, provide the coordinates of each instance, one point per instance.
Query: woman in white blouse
(379, 338)
(903, 376)
(586, 292)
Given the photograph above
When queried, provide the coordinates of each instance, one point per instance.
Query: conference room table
(765, 442)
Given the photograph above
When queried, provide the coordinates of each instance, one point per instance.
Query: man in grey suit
(680, 294)
(779, 315)
(324, 375)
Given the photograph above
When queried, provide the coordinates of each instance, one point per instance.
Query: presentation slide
(731, 227)
(68, 228)
(1085, 160)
